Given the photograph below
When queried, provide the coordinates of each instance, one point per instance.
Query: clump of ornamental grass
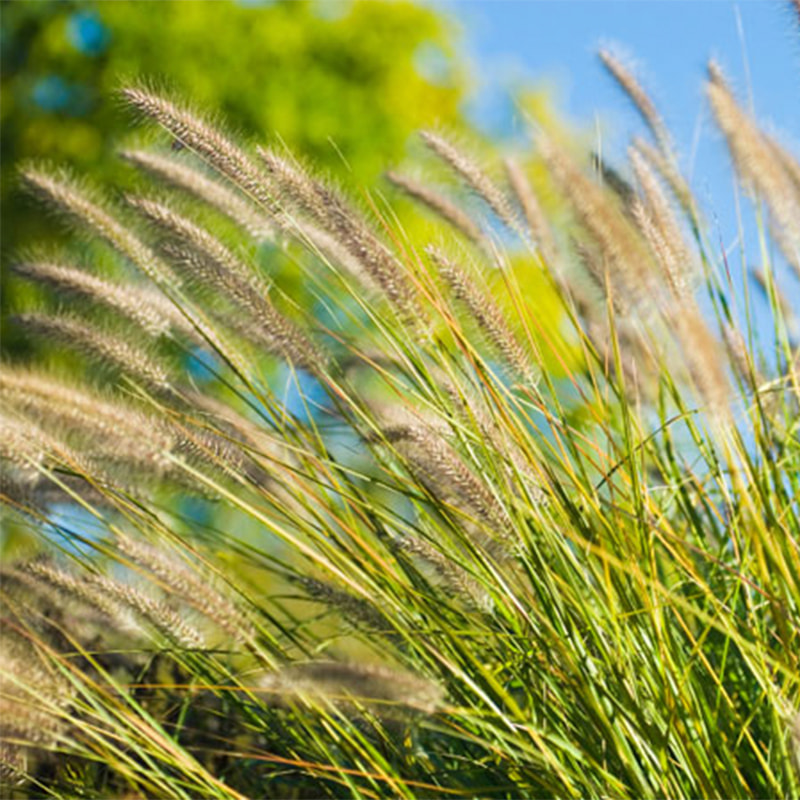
(358, 514)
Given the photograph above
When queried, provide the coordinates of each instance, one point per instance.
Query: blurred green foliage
(334, 80)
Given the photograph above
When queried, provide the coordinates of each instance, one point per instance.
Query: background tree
(337, 83)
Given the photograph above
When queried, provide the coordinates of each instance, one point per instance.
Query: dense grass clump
(488, 549)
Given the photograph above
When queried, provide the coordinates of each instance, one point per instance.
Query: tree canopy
(337, 82)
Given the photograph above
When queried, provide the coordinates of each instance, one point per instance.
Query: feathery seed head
(119, 602)
(669, 173)
(66, 195)
(627, 81)
(189, 585)
(147, 308)
(739, 355)
(532, 211)
(473, 177)
(178, 173)
(30, 454)
(438, 467)
(757, 164)
(353, 609)
(658, 224)
(454, 578)
(159, 615)
(107, 348)
(213, 263)
(328, 209)
(13, 765)
(170, 223)
(22, 443)
(205, 139)
(788, 161)
(85, 591)
(115, 429)
(297, 189)
(621, 249)
(488, 316)
(377, 687)
(703, 357)
(440, 205)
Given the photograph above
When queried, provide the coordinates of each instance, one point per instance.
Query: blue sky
(556, 41)
(510, 42)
